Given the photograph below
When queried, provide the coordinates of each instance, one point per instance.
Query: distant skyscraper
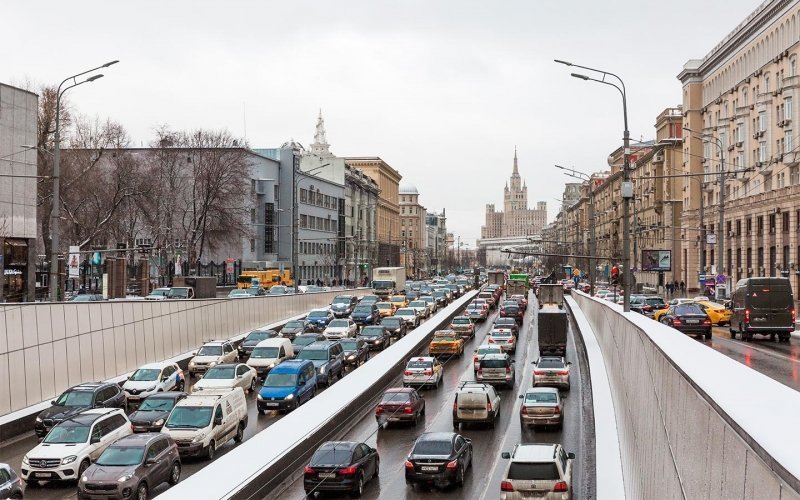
(516, 219)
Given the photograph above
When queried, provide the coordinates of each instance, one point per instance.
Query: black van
(764, 306)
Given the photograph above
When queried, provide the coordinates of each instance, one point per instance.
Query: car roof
(421, 358)
(329, 445)
(408, 390)
(437, 436)
(159, 365)
(541, 390)
(138, 439)
(273, 342)
(320, 344)
(534, 453)
(89, 416)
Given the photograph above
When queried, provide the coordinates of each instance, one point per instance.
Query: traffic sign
(720, 279)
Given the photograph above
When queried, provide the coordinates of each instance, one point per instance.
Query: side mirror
(95, 439)
(53, 402)
(521, 396)
(506, 455)
(218, 421)
(149, 462)
(571, 456)
(513, 360)
(194, 353)
(569, 362)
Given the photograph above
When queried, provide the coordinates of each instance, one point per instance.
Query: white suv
(537, 470)
(73, 444)
(152, 378)
(210, 355)
(475, 402)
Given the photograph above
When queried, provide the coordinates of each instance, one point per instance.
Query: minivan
(764, 306)
(202, 422)
(287, 386)
(269, 353)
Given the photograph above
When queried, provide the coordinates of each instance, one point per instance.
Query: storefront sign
(12, 272)
(74, 262)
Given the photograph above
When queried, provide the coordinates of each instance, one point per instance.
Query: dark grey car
(154, 410)
(292, 328)
(376, 337)
(132, 467)
(356, 351)
(10, 484)
(395, 326)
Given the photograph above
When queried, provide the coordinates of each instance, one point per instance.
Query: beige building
(412, 230)
(516, 219)
(741, 96)
(388, 222)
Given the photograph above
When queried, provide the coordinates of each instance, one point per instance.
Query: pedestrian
(319, 282)
(669, 289)
(683, 287)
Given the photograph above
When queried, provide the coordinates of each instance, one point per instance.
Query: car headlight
(38, 420)
(351, 357)
(153, 388)
(271, 365)
(159, 422)
(25, 460)
(69, 459)
(124, 478)
(191, 364)
(289, 397)
(199, 437)
(322, 370)
(258, 397)
(84, 479)
(212, 364)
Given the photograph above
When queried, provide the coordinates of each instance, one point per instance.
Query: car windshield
(210, 350)
(371, 332)
(157, 404)
(363, 309)
(541, 397)
(461, 321)
(235, 293)
(382, 285)
(396, 397)
(75, 398)
(349, 345)
(688, 309)
(426, 447)
(550, 363)
(331, 456)
(338, 323)
(67, 434)
(417, 303)
(179, 293)
(191, 417)
(277, 290)
(264, 352)
(654, 301)
(405, 312)
(293, 324)
(318, 314)
(527, 471)
(145, 374)
(341, 300)
(259, 335)
(383, 305)
(121, 456)
(488, 349)
(391, 323)
(420, 364)
(313, 354)
(494, 363)
(280, 380)
(397, 299)
(159, 292)
(221, 373)
(304, 341)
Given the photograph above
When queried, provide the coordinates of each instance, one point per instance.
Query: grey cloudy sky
(441, 90)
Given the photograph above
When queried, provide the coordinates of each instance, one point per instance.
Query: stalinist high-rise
(516, 219)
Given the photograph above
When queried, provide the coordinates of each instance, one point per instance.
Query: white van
(269, 353)
(202, 422)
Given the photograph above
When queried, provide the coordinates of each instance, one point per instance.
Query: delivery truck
(388, 281)
(552, 321)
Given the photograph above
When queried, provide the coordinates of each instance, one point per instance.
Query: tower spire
(516, 168)
(320, 145)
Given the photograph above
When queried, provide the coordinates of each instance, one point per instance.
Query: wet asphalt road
(483, 479)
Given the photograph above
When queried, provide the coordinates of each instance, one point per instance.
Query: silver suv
(496, 369)
(475, 402)
(537, 470)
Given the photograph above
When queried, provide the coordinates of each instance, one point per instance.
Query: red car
(400, 404)
(521, 300)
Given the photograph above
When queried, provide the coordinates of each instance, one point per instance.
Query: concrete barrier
(263, 462)
(692, 422)
(46, 348)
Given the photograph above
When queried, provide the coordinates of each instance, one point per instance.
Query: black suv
(76, 399)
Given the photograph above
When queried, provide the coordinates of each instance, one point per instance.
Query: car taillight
(676, 321)
(309, 470)
(408, 410)
(794, 316)
(480, 370)
(491, 340)
(407, 373)
(706, 321)
(379, 410)
(429, 372)
(489, 406)
(349, 471)
(409, 465)
(508, 369)
(747, 315)
(523, 410)
(538, 372)
(561, 486)
(453, 464)
(506, 486)
(563, 373)
(475, 359)
(556, 410)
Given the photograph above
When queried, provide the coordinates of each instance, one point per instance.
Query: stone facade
(516, 219)
(412, 230)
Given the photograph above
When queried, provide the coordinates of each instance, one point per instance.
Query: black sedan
(439, 458)
(356, 351)
(376, 337)
(689, 319)
(341, 466)
(395, 326)
(154, 410)
(292, 328)
(247, 345)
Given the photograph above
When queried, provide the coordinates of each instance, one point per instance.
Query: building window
(304, 195)
(269, 228)
(794, 176)
(788, 144)
(762, 121)
(762, 151)
(787, 108)
(766, 83)
(252, 245)
(303, 221)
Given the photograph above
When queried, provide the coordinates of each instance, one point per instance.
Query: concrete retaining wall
(46, 348)
(693, 423)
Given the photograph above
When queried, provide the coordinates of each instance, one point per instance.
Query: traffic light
(614, 275)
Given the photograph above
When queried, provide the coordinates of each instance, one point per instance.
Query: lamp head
(578, 75)
(94, 77)
(565, 63)
(109, 64)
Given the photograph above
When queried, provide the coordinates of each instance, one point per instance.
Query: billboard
(657, 260)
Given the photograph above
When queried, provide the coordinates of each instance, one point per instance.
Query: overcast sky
(441, 90)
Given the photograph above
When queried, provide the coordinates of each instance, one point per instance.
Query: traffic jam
(134, 439)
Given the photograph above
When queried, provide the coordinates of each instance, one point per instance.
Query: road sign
(711, 239)
(720, 279)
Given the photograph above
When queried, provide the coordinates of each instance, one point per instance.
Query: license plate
(327, 475)
(429, 469)
(273, 404)
(43, 474)
(693, 321)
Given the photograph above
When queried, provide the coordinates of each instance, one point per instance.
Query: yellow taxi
(386, 309)
(399, 301)
(715, 312)
(446, 342)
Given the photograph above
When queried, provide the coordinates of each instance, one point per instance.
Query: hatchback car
(154, 410)
(132, 467)
(210, 355)
(481, 351)
(423, 371)
(366, 314)
(247, 345)
(342, 305)
(551, 371)
(541, 406)
(341, 466)
(537, 471)
(689, 319)
(496, 369)
(228, 376)
(317, 320)
(77, 399)
(356, 351)
(292, 328)
(400, 404)
(395, 326)
(439, 458)
(376, 337)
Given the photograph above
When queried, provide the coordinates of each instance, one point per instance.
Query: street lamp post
(627, 190)
(55, 213)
